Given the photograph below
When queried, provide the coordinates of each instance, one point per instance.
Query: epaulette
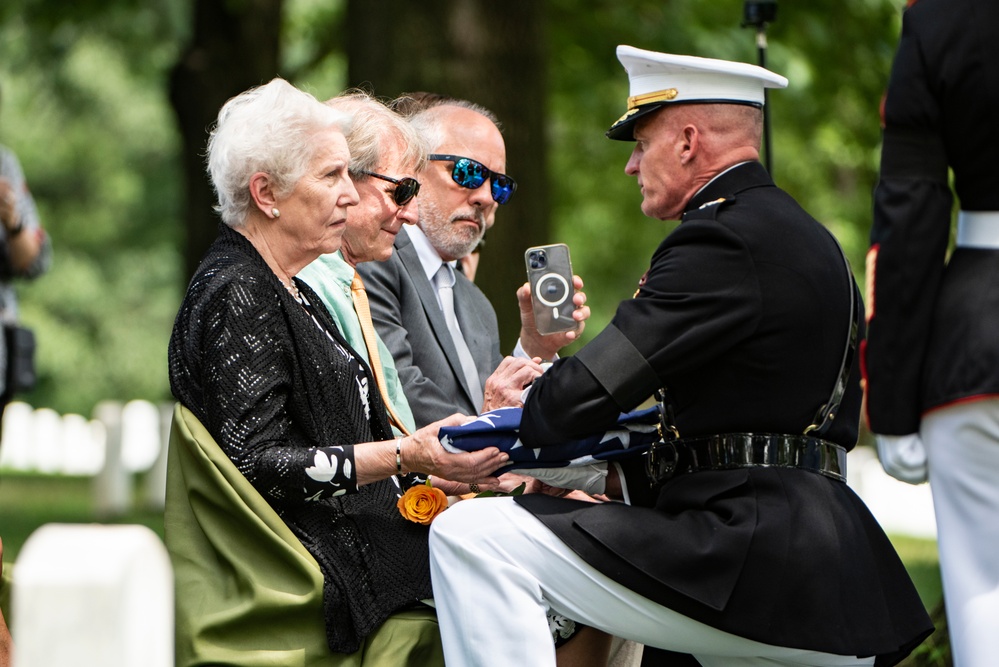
(707, 211)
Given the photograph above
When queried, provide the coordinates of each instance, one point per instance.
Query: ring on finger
(473, 487)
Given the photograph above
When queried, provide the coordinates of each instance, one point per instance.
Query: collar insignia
(711, 203)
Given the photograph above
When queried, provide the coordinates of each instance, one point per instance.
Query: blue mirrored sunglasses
(471, 174)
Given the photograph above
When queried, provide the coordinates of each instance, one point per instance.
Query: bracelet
(398, 456)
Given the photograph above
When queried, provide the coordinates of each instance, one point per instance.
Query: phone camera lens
(538, 259)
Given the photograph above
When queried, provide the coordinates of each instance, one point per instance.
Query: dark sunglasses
(405, 188)
(471, 174)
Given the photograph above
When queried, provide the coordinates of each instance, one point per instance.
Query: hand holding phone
(549, 273)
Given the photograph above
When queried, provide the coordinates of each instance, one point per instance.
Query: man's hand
(510, 481)
(9, 215)
(546, 347)
(505, 386)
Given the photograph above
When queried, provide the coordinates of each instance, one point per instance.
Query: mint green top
(330, 276)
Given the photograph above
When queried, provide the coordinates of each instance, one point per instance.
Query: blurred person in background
(25, 253)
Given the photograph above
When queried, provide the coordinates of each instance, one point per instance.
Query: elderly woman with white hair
(258, 360)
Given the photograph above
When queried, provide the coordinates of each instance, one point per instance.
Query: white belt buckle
(978, 229)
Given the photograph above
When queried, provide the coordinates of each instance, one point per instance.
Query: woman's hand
(422, 452)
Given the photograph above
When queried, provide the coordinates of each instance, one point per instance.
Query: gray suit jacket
(405, 312)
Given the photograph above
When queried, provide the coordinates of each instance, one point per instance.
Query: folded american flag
(501, 428)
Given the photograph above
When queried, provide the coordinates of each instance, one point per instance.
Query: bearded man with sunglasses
(448, 356)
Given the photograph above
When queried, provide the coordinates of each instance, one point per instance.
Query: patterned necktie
(444, 281)
(363, 311)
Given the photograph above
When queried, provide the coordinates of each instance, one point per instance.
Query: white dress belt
(978, 229)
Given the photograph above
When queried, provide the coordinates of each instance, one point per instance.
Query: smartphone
(549, 273)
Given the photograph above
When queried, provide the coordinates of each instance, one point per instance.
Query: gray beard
(446, 240)
(454, 247)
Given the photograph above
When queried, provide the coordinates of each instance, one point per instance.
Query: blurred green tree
(233, 46)
(490, 53)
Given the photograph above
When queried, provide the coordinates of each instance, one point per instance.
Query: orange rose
(422, 503)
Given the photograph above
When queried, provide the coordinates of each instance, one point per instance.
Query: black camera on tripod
(759, 13)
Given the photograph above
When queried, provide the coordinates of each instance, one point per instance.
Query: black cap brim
(624, 128)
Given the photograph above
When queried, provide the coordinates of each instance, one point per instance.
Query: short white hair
(431, 123)
(374, 122)
(268, 129)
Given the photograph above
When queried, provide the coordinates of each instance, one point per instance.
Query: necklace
(293, 290)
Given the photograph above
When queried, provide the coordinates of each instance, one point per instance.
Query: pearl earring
(276, 213)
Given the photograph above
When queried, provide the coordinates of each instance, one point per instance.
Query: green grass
(30, 501)
(920, 559)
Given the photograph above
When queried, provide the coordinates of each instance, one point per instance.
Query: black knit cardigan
(272, 389)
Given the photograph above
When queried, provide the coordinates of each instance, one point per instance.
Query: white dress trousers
(962, 447)
(496, 570)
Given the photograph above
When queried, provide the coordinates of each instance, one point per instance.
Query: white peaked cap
(657, 79)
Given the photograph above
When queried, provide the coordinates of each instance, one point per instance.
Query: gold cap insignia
(667, 95)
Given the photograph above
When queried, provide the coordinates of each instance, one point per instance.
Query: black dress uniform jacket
(743, 316)
(934, 329)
